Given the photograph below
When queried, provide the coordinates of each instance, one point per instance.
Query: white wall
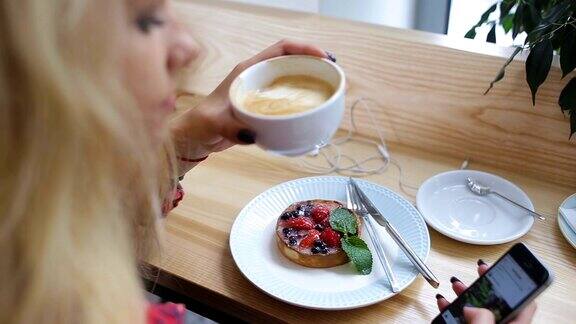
(384, 12)
(299, 5)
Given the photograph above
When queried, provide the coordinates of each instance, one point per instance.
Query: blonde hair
(78, 172)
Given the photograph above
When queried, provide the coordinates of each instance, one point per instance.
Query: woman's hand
(482, 315)
(211, 126)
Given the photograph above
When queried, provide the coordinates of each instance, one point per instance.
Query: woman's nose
(183, 49)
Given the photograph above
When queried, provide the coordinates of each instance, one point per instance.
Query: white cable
(334, 159)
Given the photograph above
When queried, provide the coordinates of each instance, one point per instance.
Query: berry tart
(304, 234)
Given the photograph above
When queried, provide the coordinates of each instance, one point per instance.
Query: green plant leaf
(568, 51)
(358, 252)
(539, 4)
(558, 37)
(517, 21)
(502, 71)
(530, 17)
(491, 38)
(507, 22)
(471, 33)
(505, 7)
(557, 12)
(549, 23)
(342, 220)
(567, 99)
(486, 14)
(538, 65)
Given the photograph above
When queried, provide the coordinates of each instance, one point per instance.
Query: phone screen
(503, 288)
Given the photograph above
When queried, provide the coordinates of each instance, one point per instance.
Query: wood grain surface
(428, 88)
(196, 238)
(433, 112)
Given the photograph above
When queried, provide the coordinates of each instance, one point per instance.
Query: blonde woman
(86, 91)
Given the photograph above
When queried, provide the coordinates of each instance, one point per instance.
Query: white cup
(299, 133)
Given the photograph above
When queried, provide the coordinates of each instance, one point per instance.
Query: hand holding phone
(502, 293)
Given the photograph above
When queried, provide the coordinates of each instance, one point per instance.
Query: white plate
(568, 233)
(254, 248)
(453, 210)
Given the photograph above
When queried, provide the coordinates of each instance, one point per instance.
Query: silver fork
(353, 203)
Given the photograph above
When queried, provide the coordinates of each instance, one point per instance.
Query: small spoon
(483, 190)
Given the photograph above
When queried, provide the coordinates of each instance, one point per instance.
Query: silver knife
(372, 234)
(373, 211)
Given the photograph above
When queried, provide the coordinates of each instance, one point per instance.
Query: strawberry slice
(299, 223)
(330, 237)
(309, 240)
(320, 213)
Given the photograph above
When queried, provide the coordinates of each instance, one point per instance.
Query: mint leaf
(342, 220)
(358, 252)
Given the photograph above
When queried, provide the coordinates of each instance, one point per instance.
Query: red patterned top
(177, 196)
(168, 313)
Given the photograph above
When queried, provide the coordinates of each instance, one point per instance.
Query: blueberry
(319, 227)
(286, 230)
(305, 208)
(292, 240)
(318, 243)
(293, 214)
(315, 250)
(323, 250)
(285, 216)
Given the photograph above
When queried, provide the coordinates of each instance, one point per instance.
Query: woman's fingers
(457, 286)
(525, 316)
(475, 315)
(285, 47)
(441, 302)
(292, 47)
(233, 129)
(482, 267)
(223, 122)
(481, 315)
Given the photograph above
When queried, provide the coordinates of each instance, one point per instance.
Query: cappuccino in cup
(289, 94)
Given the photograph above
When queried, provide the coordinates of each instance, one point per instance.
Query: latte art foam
(288, 95)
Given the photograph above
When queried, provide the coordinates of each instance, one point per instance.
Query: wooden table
(434, 115)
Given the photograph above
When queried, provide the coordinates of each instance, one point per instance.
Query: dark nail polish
(438, 296)
(481, 262)
(246, 136)
(454, 279)
(331, 56)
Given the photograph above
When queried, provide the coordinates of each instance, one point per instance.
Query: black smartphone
(509, 285)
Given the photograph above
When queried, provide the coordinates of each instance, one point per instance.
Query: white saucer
(254, 248)
(453, 210)
(568, 233)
